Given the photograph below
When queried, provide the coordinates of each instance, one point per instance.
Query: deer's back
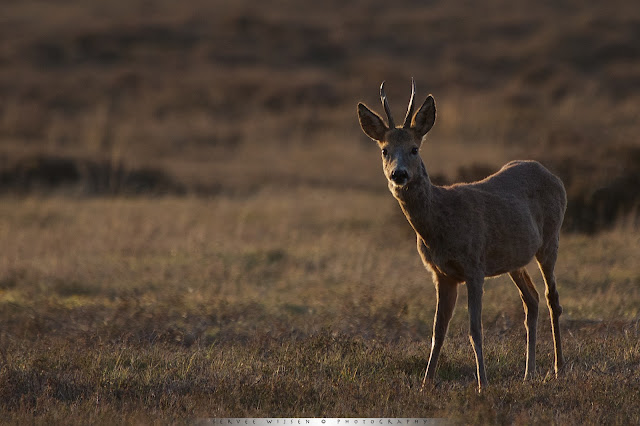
(528, 182)
(506, 217)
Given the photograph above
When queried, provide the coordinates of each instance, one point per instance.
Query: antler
(385, 103)
(409, 116)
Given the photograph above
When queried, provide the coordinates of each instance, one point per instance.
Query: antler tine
(409, 116)
(385, 103)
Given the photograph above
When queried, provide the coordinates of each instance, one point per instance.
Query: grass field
(181, 308)
(192, 224)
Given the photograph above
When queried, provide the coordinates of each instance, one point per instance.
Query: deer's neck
(417, 202)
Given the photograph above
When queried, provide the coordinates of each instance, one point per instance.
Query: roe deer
(470, 231)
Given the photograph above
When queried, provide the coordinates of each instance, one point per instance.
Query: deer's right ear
(371, 123)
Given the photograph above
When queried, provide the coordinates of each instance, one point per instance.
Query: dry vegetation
(140, 309)
(192, 224)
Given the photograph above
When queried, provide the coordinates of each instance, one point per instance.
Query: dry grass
(274, 305)
(265, 271)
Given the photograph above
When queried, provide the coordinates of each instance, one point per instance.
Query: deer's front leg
(446, 295)
(474, 290)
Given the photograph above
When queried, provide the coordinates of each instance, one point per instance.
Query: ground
(274, 305)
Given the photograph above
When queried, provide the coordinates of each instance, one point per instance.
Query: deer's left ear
(425, 117)
(371, 123)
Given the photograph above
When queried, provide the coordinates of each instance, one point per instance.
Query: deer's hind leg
(546, 258)
(529, 296)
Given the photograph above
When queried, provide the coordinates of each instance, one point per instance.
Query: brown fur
(467, 232)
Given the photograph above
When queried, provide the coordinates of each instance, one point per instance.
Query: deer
(467, 232)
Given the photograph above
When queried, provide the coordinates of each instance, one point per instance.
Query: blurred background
(210, 97)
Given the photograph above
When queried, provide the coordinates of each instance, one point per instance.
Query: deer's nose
(400, 176)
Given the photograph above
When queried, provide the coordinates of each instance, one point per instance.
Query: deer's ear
(425, 117)
(371, 123)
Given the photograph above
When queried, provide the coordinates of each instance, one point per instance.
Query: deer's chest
(443, 262)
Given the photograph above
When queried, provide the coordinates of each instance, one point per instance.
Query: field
(193, 225)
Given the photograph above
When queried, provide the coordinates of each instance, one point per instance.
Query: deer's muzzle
(400, 177)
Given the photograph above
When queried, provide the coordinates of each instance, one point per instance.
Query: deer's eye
(385, 152)
(414, 150)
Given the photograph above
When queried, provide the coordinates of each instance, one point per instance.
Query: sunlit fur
(470, 231)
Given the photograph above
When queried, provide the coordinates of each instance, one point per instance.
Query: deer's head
(400, 145)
